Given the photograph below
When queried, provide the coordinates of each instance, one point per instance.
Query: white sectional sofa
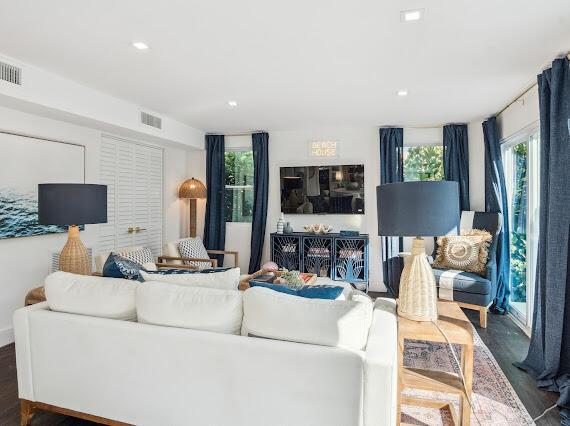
(145, 374)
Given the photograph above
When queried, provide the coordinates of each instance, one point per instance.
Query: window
(521, 164)
(239, 186)
(423, 163)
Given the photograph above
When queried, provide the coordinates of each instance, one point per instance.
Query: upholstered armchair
(173, 257)
(470, 290)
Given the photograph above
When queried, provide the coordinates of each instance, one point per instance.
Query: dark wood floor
(505, 340)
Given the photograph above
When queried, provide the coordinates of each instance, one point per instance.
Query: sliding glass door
(521, 164)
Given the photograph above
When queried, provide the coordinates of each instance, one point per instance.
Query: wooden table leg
(26, 412)
(400, 376)
(467, 368)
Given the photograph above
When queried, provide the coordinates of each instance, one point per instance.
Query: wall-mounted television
(323, 189)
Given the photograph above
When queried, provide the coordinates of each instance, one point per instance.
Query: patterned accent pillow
(140, 257)
(118, 267)
(175, 271)
(466, 252)
(194, 248)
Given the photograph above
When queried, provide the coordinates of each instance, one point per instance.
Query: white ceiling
(294, 64)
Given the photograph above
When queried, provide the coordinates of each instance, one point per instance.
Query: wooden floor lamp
(192, 189)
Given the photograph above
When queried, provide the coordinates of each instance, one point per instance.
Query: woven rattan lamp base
(74, 257)
(418, 294)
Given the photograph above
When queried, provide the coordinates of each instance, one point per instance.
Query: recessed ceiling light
(411, 15)
(233, 104)
(140, 45)
(402, 92)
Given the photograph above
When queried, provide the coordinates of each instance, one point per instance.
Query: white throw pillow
(225, 280)
(198, 308)
(341, 323)
(88, 295)
(194, 248)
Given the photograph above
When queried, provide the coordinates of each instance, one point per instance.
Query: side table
(35, 295)
(459, 330)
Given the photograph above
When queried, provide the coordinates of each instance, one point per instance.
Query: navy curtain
(260, 188)
(215, 223)
(548, 358)
(496, 202)
(456, 159)
(391, 171)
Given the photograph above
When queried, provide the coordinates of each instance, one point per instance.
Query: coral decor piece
(270, 267)
(319, 229)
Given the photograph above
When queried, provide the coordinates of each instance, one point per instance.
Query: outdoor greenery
(423, 163)
(518, 227)
(239, 186)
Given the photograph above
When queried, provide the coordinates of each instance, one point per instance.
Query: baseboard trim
(6, 336)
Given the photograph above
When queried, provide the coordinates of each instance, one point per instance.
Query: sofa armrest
(491, 275)
(24, 349)
(381, 366)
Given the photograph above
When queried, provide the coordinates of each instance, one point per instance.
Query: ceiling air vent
(151, 120)
(10, 73)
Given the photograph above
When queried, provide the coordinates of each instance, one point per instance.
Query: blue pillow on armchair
(308, 291)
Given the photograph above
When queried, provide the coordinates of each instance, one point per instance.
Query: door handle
(135, 229)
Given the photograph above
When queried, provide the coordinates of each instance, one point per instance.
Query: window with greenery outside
(239, 186)
(423, 163)
(518, 225)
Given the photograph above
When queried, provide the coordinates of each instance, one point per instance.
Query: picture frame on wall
(27, 161)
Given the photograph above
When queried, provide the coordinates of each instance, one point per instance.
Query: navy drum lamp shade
(67, 204)
(418, 209)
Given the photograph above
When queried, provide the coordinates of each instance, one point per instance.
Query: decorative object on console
(466, 252)
(288, 229)
(72, 204)
(27, 161)
(280, 223)
(192, 189)
(318, 229)
(418, 209)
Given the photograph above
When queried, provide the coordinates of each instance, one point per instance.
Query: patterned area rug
(494, 399)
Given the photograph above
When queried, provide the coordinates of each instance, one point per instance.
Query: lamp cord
(544, 413)
(459, 368)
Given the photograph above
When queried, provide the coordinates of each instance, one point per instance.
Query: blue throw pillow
(118, 267)
(307, 291)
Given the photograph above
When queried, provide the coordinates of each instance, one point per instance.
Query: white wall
(25, 262)
(520, 115)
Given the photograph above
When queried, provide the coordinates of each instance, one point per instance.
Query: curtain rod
(236, 133)
(528, 89)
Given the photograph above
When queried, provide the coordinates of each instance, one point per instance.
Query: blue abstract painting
(25, 163)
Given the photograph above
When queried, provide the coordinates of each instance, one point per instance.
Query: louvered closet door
(133, 173)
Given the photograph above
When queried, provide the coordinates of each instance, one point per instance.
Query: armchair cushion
(194, 248)
(468, 287)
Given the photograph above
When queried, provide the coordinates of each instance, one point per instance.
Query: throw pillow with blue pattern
(330, 292)
(117, 266)
(175, 271)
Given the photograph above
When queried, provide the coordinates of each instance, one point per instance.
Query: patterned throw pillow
(194, 248)
(175, 271)
(140, 257)
(466, 252)
(118, 267)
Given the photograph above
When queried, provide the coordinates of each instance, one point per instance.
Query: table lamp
(72, 204)
(418, 209)
(192, 189)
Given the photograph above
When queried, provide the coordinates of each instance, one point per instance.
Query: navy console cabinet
(341, 258)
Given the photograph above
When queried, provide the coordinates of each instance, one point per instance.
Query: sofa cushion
(466, 282)
(194, 248)
(198, 308)
(225, 279)
(339, 323)
(89, 295)
(309, 291)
